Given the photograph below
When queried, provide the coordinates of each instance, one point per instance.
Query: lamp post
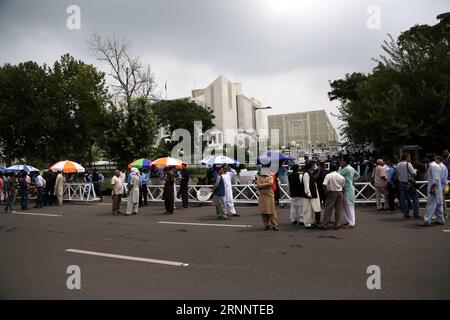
(255, 128)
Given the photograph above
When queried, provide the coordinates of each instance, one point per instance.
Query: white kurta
(133, 196)
(229, 204)
(434, 202)
(59, 188)
(310, 206)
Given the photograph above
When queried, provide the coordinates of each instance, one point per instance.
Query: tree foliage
(181, 114)
(130, 133)
(65, 112)
(405, 99)
(50, 113)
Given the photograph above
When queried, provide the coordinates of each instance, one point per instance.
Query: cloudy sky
(283, 51)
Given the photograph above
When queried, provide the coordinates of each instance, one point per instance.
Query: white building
(232, 110)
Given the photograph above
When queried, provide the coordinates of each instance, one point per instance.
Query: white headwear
(134, 171)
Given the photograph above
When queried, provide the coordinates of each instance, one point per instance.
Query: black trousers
(49, 196)
(143, 195)
(97, 190)
(168, 204)
(392, 192)
(184, 189)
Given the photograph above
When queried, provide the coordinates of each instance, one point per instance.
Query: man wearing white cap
(133, 192)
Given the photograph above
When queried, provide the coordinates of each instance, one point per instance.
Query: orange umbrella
(67, 166)
(168, 162)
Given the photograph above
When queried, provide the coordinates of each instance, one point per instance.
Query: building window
(296, 129)
(211, 96)
(230, 95)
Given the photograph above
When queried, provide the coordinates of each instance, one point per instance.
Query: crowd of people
(316, 192)
(136, 191)
(47, 187)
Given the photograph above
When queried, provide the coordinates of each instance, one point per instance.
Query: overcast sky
(284, 52)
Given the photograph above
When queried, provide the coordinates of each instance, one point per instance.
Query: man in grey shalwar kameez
(435, 198)
(133, 193)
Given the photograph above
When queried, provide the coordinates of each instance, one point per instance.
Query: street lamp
(254, 126)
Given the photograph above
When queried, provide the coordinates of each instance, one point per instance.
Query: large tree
(130, 134)
(405, 99)
(51, 113)
(23, 97)
(78, 109)
(181, 114)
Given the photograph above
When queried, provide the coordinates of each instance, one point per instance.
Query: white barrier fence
(79, 192)
(247, 193)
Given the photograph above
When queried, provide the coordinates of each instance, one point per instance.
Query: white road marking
(38, 214)
(208, 224)
(446, 230)
(117, 256)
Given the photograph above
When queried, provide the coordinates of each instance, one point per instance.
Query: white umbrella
(218, 160)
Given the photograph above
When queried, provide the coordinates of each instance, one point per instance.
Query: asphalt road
(223, 262)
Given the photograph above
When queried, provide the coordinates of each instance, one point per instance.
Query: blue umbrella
(21, 167)
(2, 169)
(274, 156)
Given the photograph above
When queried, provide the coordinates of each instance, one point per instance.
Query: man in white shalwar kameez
(227, 178)
(311, 203)
(133, 193)
(59, 188)
(435, 198)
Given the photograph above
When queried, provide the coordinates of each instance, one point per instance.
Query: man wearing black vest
(311, 202)
(297, 194)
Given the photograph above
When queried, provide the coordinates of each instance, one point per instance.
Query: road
(213, 259)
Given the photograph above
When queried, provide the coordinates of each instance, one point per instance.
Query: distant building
(310, 130)
(232, 110)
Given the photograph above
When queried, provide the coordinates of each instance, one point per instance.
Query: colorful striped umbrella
(141, 164)
(168, 162)
(67, 166)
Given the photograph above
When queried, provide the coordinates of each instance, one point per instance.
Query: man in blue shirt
(392, 190)
(184, 185)
(145, 176)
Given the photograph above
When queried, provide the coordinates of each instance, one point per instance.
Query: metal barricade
(248, 193)
(79, 192)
